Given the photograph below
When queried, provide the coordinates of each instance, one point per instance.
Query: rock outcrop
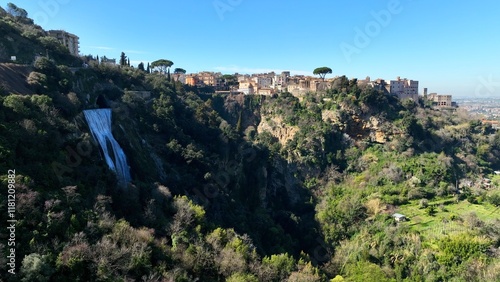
(277, 128)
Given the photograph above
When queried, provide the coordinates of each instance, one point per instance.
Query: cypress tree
(140, 66)
(123, 59)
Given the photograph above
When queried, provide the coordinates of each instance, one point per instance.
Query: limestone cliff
(276, 126)
(361, 126)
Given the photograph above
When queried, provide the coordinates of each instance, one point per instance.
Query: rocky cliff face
(367, 128)
(361, 126)
(275, 178)
(277, 128)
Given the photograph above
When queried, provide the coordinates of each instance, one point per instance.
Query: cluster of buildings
(403, 88)
(271, 83)
(298, 85)
(203, 79)
(258, 84)
(408, 89)
(443, 101)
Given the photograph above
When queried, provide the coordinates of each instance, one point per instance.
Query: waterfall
(99, 121)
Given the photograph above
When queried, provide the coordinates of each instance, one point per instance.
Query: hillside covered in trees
(235, 187)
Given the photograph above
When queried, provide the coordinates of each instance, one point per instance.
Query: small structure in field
(399, 217)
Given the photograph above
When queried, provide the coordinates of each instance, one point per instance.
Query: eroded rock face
(376, 132)
(359, 127)
(277, 128)
(329, 116)
(380, 137)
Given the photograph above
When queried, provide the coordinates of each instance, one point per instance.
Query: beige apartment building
(192, 80)
(67, 39)
(204, 79)
(299, 85)
(265, 91)
(210, 78)
(263, 81)
(404, 88)
(246, 87)
(442, 101)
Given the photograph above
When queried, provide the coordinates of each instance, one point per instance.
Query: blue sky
(450, 47)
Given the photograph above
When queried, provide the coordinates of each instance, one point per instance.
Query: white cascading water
(99, 121)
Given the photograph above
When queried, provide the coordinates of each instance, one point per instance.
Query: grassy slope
(449, 220)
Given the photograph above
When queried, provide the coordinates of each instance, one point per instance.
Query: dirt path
(13, 78)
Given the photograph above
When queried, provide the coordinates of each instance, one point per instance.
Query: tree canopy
(163, 65)
(322, 72)
(179, 70)
(230, 80)
(15, 11)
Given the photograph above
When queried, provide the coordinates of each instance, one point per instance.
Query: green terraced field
(454, 218)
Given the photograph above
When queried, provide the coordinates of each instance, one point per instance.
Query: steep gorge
(236, 187)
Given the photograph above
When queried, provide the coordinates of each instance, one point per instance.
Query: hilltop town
(140, 173)
(272, 83)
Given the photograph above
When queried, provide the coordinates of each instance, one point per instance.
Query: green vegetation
(241, 188)
(163, 66)
(178, 72)
(25, 40)
(322, 72)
